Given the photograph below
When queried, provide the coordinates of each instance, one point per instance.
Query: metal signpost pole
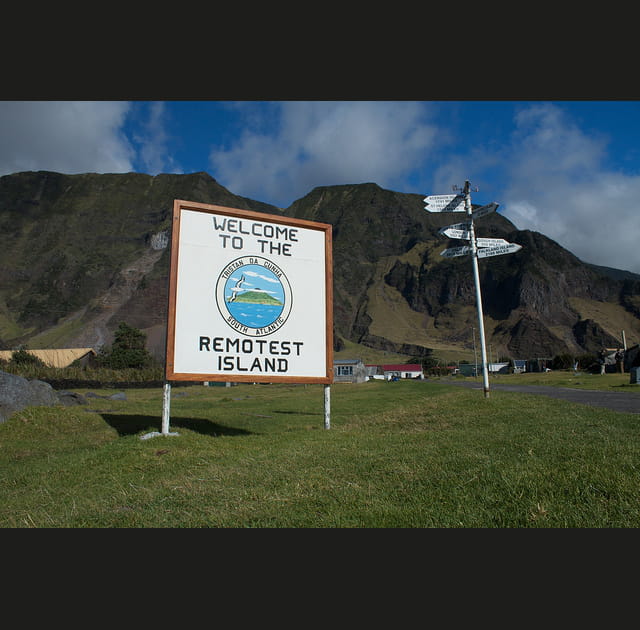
(476, 278)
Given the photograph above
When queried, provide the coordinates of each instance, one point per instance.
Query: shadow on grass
(126, 424)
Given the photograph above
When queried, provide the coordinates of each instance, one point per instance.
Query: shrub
(24, 358)
(562, 362)
(588, 363)
(127, 351)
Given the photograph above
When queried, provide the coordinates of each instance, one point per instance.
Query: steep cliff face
(368, 223)
(528, 295)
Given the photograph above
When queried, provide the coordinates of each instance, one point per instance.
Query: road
(625, 402)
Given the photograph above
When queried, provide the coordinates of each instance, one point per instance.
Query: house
(539, 364)
(469, 369)
(402, 370)
(58, 357)
(349, 371)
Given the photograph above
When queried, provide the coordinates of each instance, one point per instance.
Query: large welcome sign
(250, 297)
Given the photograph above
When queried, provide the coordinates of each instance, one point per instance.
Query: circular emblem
(253, 296)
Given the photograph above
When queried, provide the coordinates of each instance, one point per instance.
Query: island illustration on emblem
(255, 294)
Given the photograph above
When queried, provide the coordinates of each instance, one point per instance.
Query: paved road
(626, 402)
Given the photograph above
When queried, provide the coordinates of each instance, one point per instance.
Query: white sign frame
(218, 252)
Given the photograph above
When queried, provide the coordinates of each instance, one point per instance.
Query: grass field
(561, 378)
(400, 455)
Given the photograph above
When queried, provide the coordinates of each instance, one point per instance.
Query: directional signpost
(456, 251)
(454, 233)
(456, 226)
(491, 242)
(498, 250)
(457, 230)
(478, 247)
(444, 203)
(465, 235)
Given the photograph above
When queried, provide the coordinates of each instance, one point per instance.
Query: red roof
(406, 367)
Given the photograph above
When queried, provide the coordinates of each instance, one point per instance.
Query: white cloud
(64, 136)
(253, 274)
(325, 143)
(558, 185)
(154, 140)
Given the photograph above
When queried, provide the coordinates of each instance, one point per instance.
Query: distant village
(355, 371)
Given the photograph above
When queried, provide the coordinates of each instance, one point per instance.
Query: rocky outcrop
(17, 392)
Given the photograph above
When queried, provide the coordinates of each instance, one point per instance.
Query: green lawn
(408, 454)
(559, 378)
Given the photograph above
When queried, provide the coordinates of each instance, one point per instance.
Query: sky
(569, 169)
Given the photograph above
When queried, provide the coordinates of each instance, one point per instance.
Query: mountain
(395, 292)
(81, 253)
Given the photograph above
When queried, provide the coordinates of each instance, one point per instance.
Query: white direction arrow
(456, 226)
(452, 233)
(509, 248)
(444, 203)
(456, 251)
(491, 242)
(484, 210)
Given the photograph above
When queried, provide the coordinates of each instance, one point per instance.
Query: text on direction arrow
(491, 242)
(444, 203)
(444, 199)
(498, 251)
(456, 226)
(455, 251)
(463, 234)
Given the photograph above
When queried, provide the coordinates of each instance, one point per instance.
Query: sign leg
(166, 404)
(166, 407)
(327, 406)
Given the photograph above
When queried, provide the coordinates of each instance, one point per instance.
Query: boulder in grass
(17, 392)
(68, 399)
